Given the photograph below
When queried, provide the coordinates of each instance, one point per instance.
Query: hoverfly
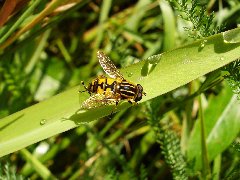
(104, 90)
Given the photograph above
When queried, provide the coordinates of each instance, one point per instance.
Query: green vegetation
(184, 55)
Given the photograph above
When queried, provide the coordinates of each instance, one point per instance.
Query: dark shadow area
(219, 46)
(150, 64)
(11, 122)
(82, 116)
(222, 47)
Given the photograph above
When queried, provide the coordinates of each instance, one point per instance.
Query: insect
(104, 90)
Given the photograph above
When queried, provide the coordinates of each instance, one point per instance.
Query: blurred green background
(48, 47)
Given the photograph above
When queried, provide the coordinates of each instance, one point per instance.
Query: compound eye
(139, 95)
(140, 88)
(138, 98)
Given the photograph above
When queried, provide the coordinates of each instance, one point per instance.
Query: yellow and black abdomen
(102, 84)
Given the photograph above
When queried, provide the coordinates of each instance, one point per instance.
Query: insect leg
(85, 87)
(132, 102)
(115, 98)
(115, 108)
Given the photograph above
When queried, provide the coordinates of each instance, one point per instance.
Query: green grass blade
(16, 25)
(105, 9)
(222, 125)
(169, 25)
(138, 13)
(217, 167)
(158, 75)
(205, 162)
(226, 129)
(37, 165)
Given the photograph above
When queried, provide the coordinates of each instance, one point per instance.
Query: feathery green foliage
(47, 48)
(168, 141)
(195, 12)
(8, 171)
(233, 76)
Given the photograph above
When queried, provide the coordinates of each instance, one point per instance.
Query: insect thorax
(127, 90)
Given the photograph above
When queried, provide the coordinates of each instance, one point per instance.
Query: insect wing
(108, 66)
(97, 100)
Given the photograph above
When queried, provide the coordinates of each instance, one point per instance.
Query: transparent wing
(108, 66)
(98, 100)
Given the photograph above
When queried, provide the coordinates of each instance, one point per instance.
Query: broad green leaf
(222, 125)
(158, 74)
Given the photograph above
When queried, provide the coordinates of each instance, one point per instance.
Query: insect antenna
(86, 89)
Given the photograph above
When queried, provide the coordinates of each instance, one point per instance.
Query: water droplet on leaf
(221, 58)
(130, 74)
(203, 43)
(42, 122)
